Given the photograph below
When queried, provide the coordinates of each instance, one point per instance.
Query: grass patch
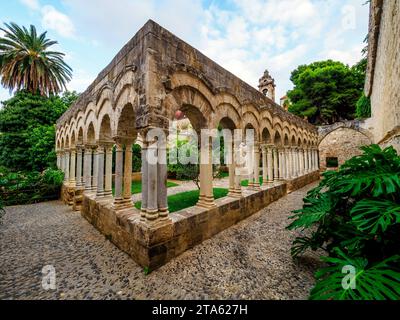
(187, 199)
(245, 183)
(136, 186)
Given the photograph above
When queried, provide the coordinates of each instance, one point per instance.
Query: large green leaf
(373, 215)
(380, 281)
(313, 211)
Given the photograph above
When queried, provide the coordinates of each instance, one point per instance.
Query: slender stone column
(264, 164)
(238, 166)
(58, 159)
(79, 181)
(206, 198)
(119, 159)
(290, 156)
(128, 173)
(250, 155)
(144, 180)
(72, 168)
(87, 168)
(270, 164)
(162, 180)
(281, 164)
(256, 185)
(152, 187)
(310, 168)
(100, 171)
(276, 163)
(306, 169)
(95, 168)
(108, 173)
(316, 159)
(232, 169)
(301, 161)
(294, 163)
(67, 166)
(287, 163)
(62, 161)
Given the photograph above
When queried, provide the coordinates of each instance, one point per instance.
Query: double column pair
(154, 179)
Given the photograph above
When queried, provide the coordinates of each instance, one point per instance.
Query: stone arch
(105, 93)
(184, 79)
(90, 134)
(192, 103)
(249, 118)
(90, 108)
(364, 132)
(227, 98)
(266, 135)
(125, 77)
(105, 133)
(286, 140)
(265, 114)
(342, 143)
(106, 110)
(278, 134)
(293, 141)
(125, 124)
(227, 123)
(79, 137)
(226, 110)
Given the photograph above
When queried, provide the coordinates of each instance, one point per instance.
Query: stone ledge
(153, 246)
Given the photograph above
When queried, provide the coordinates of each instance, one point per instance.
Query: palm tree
(27, 64)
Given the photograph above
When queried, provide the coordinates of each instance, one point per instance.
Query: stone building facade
(383, 73)
(340, 142)
(151, 78)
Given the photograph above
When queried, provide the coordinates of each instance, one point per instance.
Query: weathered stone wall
(341, 140)
(383, 76)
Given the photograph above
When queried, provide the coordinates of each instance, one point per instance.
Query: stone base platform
(152, 245)
(68, 194)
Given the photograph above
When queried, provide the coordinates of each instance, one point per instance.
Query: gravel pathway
(250, 260)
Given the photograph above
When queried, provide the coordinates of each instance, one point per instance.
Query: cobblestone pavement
(250, 260)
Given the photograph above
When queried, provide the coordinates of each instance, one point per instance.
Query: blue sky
(244, 36)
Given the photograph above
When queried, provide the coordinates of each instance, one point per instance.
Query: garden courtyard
(250, 260)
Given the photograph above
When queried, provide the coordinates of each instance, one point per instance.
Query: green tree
(26, 63)
(325, 91)
(27, 135)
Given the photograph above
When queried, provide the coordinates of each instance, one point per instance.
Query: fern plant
(354, 215)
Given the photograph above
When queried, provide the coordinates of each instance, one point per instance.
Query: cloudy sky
(244, 36)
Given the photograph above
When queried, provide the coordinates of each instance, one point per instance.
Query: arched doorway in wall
(340, 145)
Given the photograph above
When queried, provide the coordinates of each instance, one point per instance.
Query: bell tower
(267, 85)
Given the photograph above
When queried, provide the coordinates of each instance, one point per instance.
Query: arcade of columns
(89, 167)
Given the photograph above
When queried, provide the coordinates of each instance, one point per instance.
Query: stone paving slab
(250, 260)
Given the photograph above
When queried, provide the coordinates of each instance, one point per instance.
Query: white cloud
(80, 81)
(53, 19)
(31, 4)
(244, 36)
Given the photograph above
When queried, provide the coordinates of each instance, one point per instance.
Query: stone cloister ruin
(151, 78)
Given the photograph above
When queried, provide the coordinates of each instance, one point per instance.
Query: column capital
(123, 140)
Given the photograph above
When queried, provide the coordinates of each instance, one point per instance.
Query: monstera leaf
(373, 215)
(313, 211)
(352, 279)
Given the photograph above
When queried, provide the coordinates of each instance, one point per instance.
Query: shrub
(354, 215)
(363, 107)
(136, 158)
(29, 187)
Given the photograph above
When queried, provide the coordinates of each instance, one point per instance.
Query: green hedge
(29, 187)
